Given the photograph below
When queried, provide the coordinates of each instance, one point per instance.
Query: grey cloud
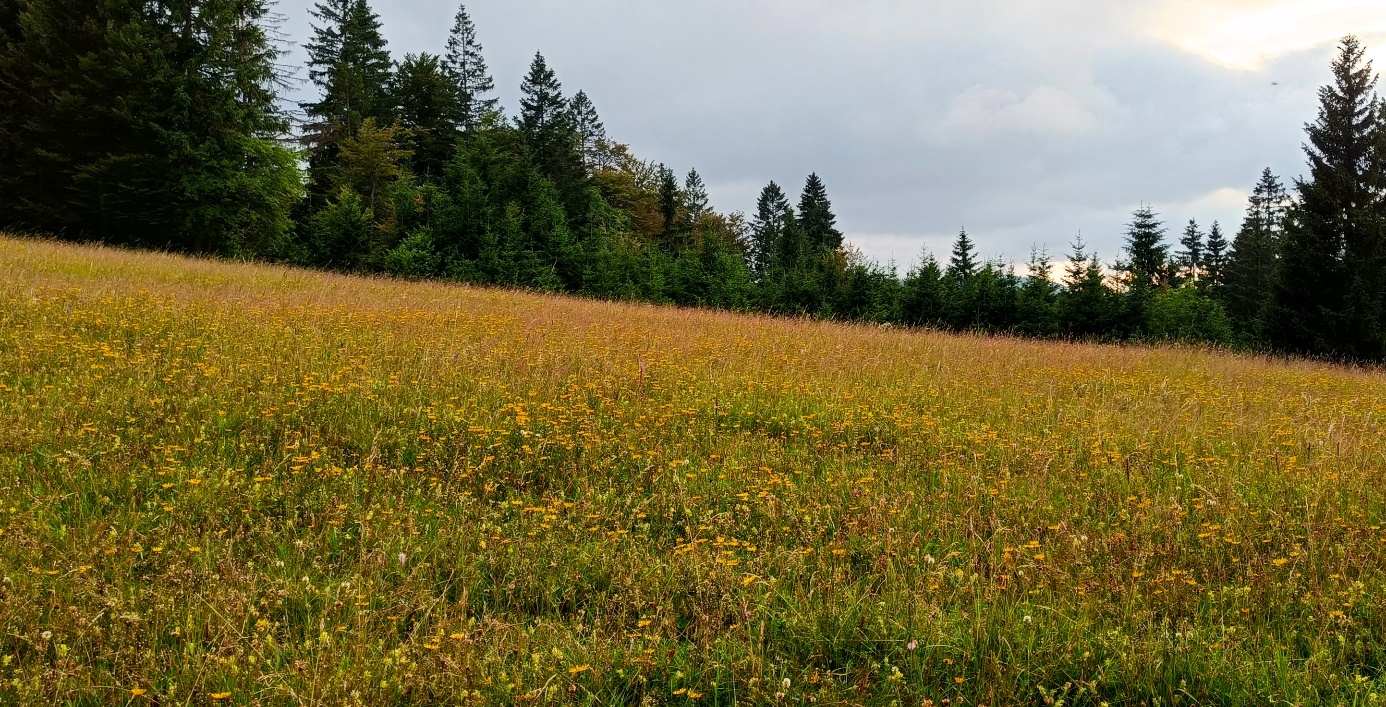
(1027, 122)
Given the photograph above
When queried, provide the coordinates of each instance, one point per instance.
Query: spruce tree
(962, 266)
(695, 199)
(1086, 306)
(428, 112)
(1252, 265)
(1037, 310)
(349, 64)
(1214, 259)
(1329, 297)
(669, 200)
(922, 296)
(767, 229)
(150, 128)
(467, 67)
(1147, 254)
(591, 133)
(1191, 254)
(544, 116)
(546, 124)
(816, 216)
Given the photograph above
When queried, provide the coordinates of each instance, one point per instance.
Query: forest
(163, 124)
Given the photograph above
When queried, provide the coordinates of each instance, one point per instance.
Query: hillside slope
(252, 485)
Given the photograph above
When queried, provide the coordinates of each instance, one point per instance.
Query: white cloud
(1246, 34)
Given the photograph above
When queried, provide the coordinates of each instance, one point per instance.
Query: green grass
(234, 484)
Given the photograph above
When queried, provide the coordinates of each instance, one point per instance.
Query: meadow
(235, 484)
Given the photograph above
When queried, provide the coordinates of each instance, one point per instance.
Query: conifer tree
(1037, 308)
(370, 163)
(546, 123)
(1086, 307)
(467, 67)
(1253, 263)
(962, 266)
(669, 199)
(428, 112)
(1191, 255)
(695, 199)
(1214, 259)
(349, 63)
(1147, 254)
(767, 229)
(816, 216)
(153, 128)
(591, 133)
(544, 116)
(1329, 296)
(922, 294)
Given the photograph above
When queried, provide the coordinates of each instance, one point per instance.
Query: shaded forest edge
(162, 125)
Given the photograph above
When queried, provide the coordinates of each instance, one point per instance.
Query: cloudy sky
(1026, 121)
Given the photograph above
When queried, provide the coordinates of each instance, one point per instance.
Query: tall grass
(236, 484)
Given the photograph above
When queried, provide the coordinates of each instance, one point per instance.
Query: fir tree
(470, 76)
(816, 216)
(767, 229)
(1191, 255)
(1329, 297)
(922, 294)
(544, 116)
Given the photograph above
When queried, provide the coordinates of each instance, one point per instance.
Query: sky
(1028, 123)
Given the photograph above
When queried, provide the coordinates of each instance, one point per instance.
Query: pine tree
(467, 67)
(591, 133)
(1191, 255)
(816, 216)
(1147, 254)
(428, 112)
(767, 229)
(1252, 265)
(962, 266)
(1329, 297)
(1214, 259)
(348, 62)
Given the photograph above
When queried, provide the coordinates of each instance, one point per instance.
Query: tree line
(158, 123)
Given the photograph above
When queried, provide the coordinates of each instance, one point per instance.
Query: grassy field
(233, 484)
